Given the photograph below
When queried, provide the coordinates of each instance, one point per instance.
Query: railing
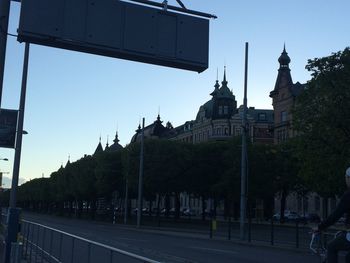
(45, 244)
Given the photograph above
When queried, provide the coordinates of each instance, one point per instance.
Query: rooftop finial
(225, 73)
(116, 139)
(224, 82)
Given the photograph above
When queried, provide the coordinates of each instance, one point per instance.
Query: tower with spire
(283, 98)
(115, 146)
(99, 147)
(224, 102)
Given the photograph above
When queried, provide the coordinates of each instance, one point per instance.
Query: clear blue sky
(73, 98)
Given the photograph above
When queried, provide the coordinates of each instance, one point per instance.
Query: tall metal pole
(244, 152)
(139, 201)
(4, 23)
(126, 185)
(13, 219)
(126, 201)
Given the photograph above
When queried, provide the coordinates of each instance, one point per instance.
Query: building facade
(218, 119)
(284, 96)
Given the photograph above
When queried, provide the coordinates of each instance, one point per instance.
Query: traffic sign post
(13, 222)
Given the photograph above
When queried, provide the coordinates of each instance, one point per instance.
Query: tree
(322, 118)
(109, 174)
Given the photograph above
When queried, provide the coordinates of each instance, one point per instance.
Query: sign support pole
(12, 219)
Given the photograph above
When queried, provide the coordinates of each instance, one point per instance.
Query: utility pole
(4, 23)
(244, 152)
(139, 201)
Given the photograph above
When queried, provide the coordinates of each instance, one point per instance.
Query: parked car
(208, 212)
(144, 210)
(341, 220)
(292, 216)
(313, 218)
(276, 217)
(289, 216)
(188, 212)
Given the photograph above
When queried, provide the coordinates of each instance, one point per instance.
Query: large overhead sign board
(117, 29)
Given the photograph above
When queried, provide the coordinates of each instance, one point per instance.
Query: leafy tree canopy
(322, 117)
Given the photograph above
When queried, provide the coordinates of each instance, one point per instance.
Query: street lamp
(4, 159)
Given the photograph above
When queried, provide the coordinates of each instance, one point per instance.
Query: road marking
(215, 250)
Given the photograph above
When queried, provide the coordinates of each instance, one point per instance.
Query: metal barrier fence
(46, 244)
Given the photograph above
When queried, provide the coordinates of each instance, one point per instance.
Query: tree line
(206, 170)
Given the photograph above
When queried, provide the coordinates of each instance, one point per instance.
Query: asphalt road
(163, 246)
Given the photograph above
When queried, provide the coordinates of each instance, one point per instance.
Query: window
(283, 116)
(225, 110)
(317, 203)
(220, 110)
(305, 204)
(282, 135)
(262, 116)
(226, 131)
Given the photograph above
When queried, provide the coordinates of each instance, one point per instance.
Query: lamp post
(139, 200)
(243, 199)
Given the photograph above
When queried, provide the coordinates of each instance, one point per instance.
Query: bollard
(272, 232)
(249, 229)
(229, 228)
(210, 229)
(16, 252)
(297, 234)
(114, 216)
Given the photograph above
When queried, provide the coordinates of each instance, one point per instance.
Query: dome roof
(284, 59)
(115, 146)
(207, 109)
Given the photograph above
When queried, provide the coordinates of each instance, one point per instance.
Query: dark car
(188, 212)
(313, 218)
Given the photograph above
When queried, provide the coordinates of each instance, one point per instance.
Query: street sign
(8, 124)
(117, 29)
